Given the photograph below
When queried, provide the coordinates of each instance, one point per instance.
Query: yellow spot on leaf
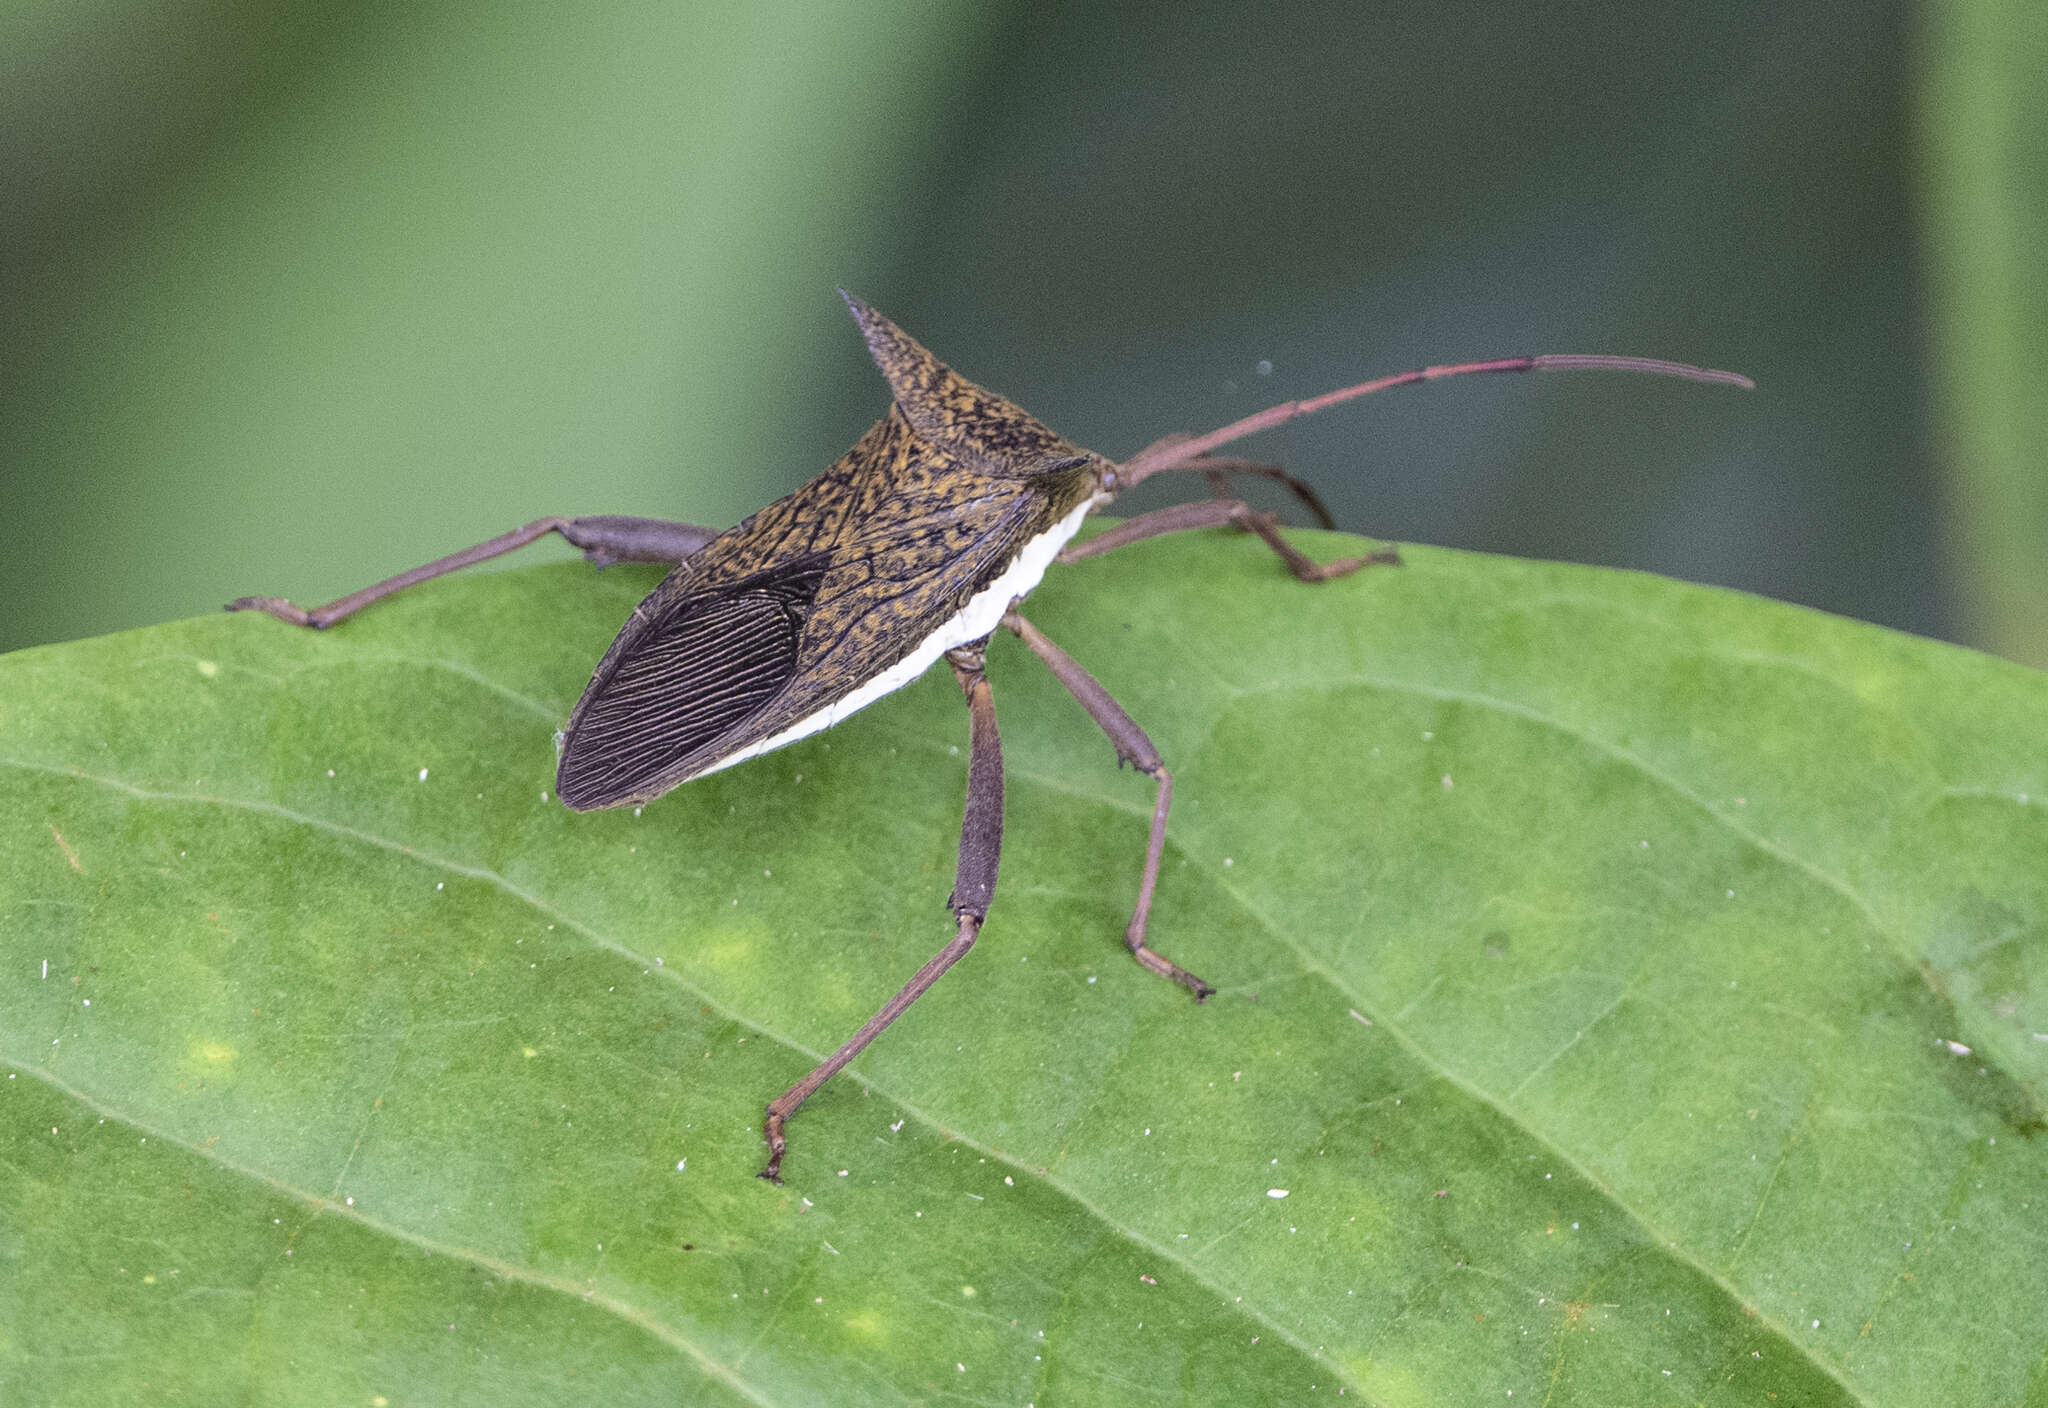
(732, 955)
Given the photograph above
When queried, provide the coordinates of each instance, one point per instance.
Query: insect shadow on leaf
(917, 544)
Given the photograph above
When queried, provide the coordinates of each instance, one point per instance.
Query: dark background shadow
(299, 298)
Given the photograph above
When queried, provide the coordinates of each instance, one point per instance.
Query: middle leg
(974, 886)
(1133, 747)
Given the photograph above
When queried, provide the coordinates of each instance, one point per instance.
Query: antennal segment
(1176, 454)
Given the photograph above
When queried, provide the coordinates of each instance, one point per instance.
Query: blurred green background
(295, 295)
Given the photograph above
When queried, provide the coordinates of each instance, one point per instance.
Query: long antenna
(1174, 454)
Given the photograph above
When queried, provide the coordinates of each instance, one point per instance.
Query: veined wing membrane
(678, 681)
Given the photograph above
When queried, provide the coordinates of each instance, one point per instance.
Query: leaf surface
(1629, 993)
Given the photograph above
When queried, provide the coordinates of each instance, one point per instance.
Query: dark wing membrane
(677, 680)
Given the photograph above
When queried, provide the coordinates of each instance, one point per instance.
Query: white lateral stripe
(982, 614)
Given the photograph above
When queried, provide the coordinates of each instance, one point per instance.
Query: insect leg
(1176, 518)
(1217, 470)
(1133, 747)
(604, 538)
(974, 886)
(1215, 513)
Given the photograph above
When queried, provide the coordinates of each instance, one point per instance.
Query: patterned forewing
(892, 591)
(789, 613)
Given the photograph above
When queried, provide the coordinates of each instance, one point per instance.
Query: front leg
(1218, 470)
(974, 886)
(1218, 513)
(1133, 747)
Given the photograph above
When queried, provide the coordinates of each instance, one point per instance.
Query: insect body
(919, 543)
(912, 545)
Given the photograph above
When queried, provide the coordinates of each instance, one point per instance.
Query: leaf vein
(622, 1310)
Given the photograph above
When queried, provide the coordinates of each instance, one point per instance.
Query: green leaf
(1637, 992)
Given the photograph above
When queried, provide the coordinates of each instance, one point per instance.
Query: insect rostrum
(918, 543)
